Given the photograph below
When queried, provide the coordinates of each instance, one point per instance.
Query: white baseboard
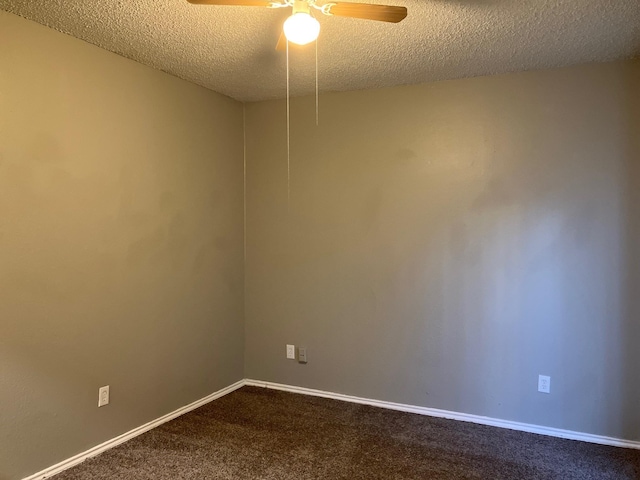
(92, 452)
(434, 412)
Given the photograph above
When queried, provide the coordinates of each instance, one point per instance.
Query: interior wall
(445, 244)
(121, 257)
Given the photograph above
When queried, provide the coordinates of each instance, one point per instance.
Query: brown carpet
(256, 433)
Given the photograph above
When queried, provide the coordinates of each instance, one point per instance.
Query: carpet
(255, 433)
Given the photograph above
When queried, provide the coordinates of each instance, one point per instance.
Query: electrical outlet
(291, 352)
(544, 384)
(302, 355)
(103, 396)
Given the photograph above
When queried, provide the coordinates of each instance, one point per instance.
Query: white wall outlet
(544, 384)
(291, 352)
(302, 354)
(103, 396)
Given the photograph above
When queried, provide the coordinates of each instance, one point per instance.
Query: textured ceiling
(231, 49)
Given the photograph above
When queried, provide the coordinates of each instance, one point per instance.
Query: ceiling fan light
(301, 28)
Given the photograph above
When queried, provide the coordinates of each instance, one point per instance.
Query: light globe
(301, 28)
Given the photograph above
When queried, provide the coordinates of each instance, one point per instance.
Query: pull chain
(317, 82)
(288, 135)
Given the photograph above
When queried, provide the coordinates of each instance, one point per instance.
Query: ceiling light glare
(301, 28)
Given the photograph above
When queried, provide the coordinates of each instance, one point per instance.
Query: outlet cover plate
(302, 355)
(103, 396)
(291, 352)
(544, 384)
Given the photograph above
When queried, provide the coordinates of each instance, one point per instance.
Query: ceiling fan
(302, 28)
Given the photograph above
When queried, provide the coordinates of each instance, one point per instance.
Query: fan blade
(381, 13)
(282, 43)
(242, 3)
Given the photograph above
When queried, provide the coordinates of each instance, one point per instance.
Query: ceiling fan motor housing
(301, 6)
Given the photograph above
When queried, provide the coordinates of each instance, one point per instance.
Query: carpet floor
(256, 433)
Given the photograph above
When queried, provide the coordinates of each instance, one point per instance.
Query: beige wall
(120, 244)
(447, 243)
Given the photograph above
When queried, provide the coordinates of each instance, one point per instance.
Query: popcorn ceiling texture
(232, 49)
